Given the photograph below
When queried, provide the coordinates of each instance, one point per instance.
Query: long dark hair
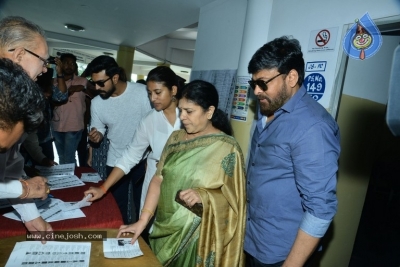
(205, 95)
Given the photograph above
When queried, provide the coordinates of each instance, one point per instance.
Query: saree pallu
(212, 165)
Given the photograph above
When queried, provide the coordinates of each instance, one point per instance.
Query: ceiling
(111, 24)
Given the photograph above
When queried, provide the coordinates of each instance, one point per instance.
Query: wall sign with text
(315, 85)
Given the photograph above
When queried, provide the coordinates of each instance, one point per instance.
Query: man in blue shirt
(291, 178)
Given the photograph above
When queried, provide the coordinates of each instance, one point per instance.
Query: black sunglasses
(99, 83)
(260, 83)
(45, 62)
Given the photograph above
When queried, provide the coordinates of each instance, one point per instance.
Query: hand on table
(35, 187)
(136, 229)
(39, 225)
(96, 192)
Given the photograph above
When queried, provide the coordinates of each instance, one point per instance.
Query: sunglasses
(260, 83)
(45, 62)
(99, 83)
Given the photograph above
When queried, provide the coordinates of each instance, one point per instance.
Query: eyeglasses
(45, 62)
(99, 83)
(260, 83)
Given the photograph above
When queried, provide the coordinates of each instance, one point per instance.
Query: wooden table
(96, 254)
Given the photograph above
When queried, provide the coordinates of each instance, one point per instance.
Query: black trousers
(253, 262)
(127, 192)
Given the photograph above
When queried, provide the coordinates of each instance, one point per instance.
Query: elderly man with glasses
(24, 43)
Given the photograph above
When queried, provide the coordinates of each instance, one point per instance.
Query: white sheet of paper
(80, 204)
(53, 253)
(121, 248)
(66, 181)
(62, 169)
(51, 210)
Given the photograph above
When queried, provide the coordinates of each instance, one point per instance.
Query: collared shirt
(291, 178)
(70, 116)
(12, 168)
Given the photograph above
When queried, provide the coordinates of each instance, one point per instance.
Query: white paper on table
(91, 177)
(51, 210)
(121, 248)
(66, 181)
(61, 169)
(53, 253)
(80, 204)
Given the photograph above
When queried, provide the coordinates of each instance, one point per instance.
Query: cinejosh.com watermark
(72, 236)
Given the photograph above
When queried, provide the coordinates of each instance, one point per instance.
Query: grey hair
(17, 31)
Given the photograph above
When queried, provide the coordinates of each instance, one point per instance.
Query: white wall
(369, 79)
(219, 35)
(289, 17)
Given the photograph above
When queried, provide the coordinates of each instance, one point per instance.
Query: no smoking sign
(322, 38)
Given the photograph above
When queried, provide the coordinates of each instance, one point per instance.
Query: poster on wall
(241, 99)
(223, 80)
(323, 40)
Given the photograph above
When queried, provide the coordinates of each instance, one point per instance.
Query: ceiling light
(108, 53)
(74, 28)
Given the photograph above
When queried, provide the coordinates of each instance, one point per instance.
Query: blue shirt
(291, 179)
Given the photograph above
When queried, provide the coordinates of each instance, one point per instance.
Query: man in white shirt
(120, 106)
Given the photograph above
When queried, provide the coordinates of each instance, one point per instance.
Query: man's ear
(16, 55)
(115, 78)
(292, 78)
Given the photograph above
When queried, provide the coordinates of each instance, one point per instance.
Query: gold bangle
(103, 189)
(27, 188)
(149, 211)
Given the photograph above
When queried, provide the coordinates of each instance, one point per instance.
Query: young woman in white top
(153, 131)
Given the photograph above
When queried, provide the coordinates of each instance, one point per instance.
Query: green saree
(213, 165)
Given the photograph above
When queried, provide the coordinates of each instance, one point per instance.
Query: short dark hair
(205, 95)
(18, 31)
(167, 77)
(68, 55)
(282, 53)
(21, 99)
(101, 63)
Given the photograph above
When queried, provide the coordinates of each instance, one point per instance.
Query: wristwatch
(60, 76)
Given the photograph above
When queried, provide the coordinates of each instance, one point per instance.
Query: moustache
(261, 97)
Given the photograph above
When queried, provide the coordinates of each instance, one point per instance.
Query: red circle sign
(322, 38)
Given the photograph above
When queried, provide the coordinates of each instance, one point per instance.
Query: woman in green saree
(203, 224)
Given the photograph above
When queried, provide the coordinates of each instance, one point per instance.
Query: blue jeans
(66, 144)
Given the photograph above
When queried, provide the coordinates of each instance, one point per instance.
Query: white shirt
(122, 114)
(154, 131)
